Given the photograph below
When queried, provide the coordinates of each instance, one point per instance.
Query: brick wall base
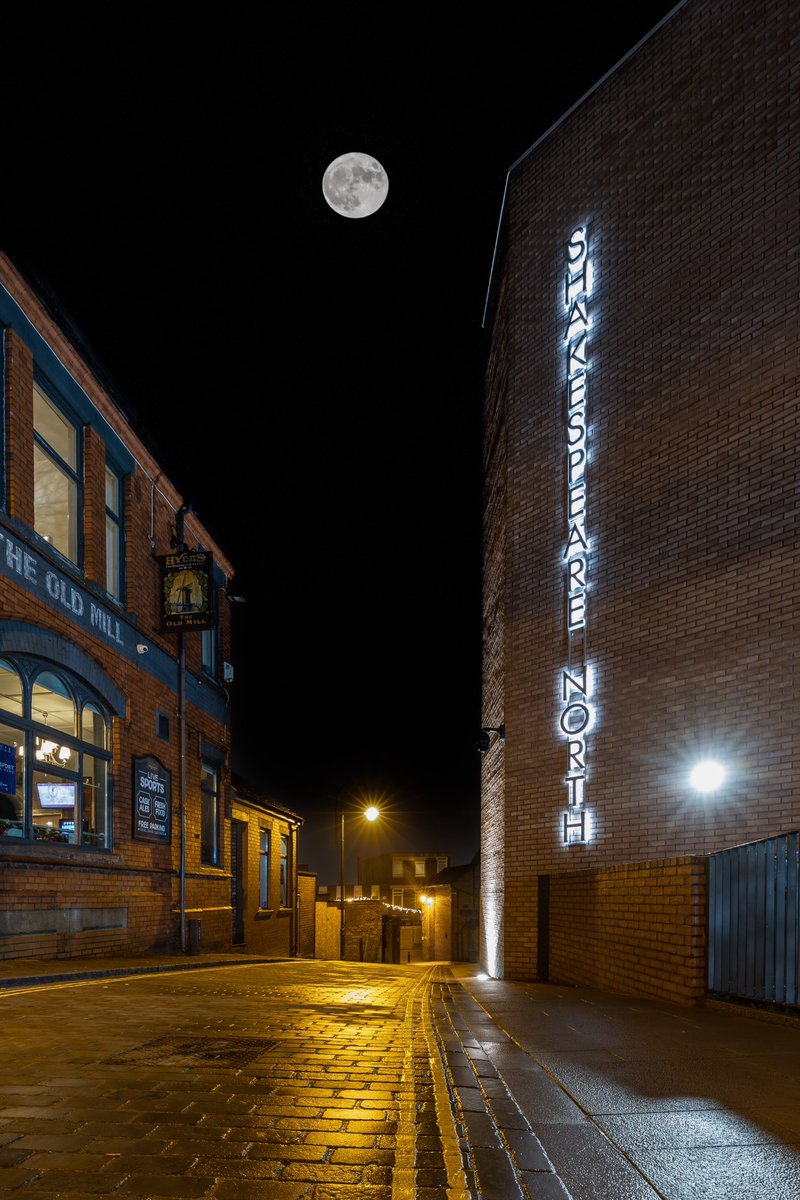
(638, 929)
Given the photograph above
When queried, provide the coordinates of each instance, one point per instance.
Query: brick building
(451, 914)
(399, 879)
(641, 520)
(266, 897)
(97, 853)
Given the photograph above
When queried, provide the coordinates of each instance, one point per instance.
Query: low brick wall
(637, 929)
(327, 930)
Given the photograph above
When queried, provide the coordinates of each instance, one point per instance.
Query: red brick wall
(363, 930)
(19, 428)
(493, 648)
(683, 167)
(94, 507)
(639, 929)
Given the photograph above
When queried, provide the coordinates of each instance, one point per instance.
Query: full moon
(355, 185)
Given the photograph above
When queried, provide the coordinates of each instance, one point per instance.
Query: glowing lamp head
(372, 813)
(707, 776)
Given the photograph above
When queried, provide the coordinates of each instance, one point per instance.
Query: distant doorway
(543, 930)
(238, 836)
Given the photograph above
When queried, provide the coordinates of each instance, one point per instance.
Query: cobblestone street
(278, 1081)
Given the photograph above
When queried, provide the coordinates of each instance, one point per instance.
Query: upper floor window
(55, 760)
(114, 527)
(56, 479)
(209, 651)
(284, 877)
(209, 816)
(264, 839)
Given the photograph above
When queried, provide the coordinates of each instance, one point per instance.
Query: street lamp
(369, 814)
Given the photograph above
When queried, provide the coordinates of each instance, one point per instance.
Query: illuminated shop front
(111, 840)
(641, 526)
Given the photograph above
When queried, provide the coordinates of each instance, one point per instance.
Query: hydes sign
(576, 711)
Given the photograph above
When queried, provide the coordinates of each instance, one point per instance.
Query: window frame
(264, 865)
(115, 522)
(284, 879)
(74, 474)
(212, 796)
(35, 735)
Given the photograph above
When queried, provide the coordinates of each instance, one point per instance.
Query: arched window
(55, 765)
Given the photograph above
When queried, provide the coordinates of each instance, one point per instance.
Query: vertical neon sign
(576, 712)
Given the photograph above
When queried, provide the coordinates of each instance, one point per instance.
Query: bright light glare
(482, 976)
(372, 813)
(707, 776)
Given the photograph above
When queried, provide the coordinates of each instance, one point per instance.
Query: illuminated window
(56, 481)
(55, 765)
(10, 689)
(375, 891)
(114, 556)
(419, 868)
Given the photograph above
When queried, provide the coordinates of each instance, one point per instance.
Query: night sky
(313, 385)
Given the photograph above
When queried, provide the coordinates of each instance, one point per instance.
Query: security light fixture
(707, 776)
(485, 742)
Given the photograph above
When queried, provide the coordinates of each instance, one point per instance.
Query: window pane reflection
(94, 819)
(10, 690)
(51, 703)
(53, 807)
(93, 726)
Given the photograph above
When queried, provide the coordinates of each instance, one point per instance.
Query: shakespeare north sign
(576, 712)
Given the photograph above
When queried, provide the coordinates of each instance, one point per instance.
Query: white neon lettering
(576, 715)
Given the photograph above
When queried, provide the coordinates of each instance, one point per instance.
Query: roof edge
(556, 125)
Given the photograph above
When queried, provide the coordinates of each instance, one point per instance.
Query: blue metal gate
(753, 920)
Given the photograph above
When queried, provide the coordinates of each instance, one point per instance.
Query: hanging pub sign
(187, 590)
(152, 800)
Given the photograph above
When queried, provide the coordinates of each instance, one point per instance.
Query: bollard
(195, 936)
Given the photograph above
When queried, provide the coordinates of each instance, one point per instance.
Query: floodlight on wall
(707, 776)
(487, 740)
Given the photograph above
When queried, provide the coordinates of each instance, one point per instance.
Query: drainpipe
(181, 546)
(182, 775)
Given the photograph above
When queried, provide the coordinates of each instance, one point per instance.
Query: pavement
(228, 1078)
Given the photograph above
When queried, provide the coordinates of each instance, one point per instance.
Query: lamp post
(369, 814)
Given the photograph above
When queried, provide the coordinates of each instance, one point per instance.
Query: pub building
(640, 813)
(114, 653)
